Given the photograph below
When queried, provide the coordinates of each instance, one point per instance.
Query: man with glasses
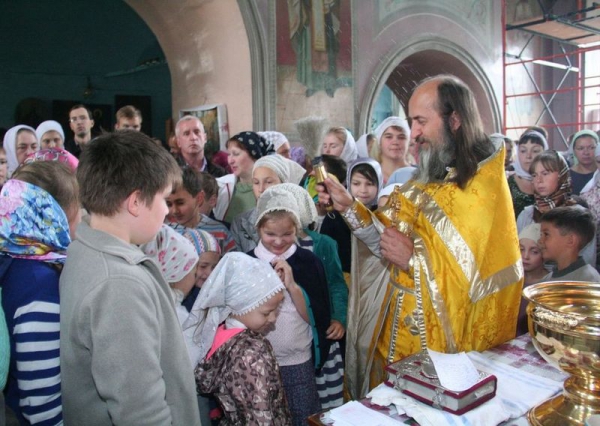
(81, 123)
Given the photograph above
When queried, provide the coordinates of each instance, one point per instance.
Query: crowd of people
(149, 284)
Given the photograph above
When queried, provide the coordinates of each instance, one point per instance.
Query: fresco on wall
(474, 13)
(314, 61)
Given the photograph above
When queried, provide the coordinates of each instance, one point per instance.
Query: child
(40, 205)
(123, 357)
(209, 254)
(533, 265)
(365, 181)
(564, 232)
(302, 324)
(329, 378)
(551, 188)
(185, 210)
(237, 305)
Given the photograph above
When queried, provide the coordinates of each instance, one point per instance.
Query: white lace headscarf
(238, 285)
(175, 254)
(285, 169)
(277, 198)
(307, 211)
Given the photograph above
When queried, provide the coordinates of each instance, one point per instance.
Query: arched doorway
(404, 69)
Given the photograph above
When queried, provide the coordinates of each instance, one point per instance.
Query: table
(519, 353)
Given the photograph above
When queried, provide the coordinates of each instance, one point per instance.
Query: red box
(409, 377)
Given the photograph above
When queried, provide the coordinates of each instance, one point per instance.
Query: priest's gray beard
(434, 160)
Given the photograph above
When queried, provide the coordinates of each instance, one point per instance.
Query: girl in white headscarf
(237, 305)
(391, 147)
(340, 142)
(19, 142)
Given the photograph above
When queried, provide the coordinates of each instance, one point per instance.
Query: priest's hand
(396, 247)
(334, 192)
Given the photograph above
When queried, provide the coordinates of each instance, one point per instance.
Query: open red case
(414, 377)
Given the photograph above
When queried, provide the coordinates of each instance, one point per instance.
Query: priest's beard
(435, 159)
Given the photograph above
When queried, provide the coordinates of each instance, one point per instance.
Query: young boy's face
(552, 242)
(183, 208)
(206, 263)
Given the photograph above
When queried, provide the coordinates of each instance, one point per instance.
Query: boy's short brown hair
(572, 219)
(116, 164)
(209, 184)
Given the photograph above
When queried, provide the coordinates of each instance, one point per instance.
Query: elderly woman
(268, 171)
(391, 147)
(235, 189)
(50, 134)
(583, 149)
(340, 143)
(19, 142)
(530, 144)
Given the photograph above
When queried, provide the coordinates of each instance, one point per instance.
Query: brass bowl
(564, 324)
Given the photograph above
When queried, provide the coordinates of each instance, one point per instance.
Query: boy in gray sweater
(123, 357)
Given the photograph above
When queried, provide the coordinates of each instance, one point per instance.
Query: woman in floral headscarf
(235, 190)
(38, 212)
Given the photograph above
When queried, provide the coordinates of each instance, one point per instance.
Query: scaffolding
(565, 40)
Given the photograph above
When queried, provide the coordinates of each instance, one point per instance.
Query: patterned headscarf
(561, 195)
(375, 166)
(276, 138)
(256, 145)
(54, 154)
(10, 146)
(286, 170)
(202, 240)
(47, 126)
(306, 206)
(238, 285)
(32, 223)
(175, 255)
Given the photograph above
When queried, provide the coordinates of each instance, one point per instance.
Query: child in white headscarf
(300, 337)
(237, 304)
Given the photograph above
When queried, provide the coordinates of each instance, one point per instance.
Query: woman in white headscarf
(340, 142)
(391, 147)
(267, 171)
(19, 142)
(50, 134)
